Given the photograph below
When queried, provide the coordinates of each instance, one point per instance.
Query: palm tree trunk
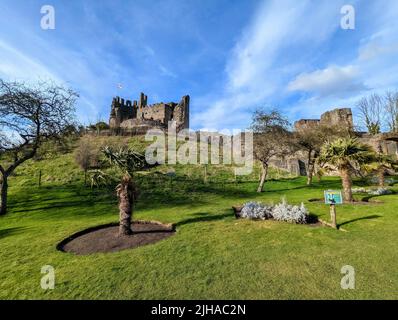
(347, 184)
(125, 191)
(3, 195)
(264, 173)
(381, 177)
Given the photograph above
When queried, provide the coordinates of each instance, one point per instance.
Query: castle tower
(116, 114)
(142, 103)
(181, 113)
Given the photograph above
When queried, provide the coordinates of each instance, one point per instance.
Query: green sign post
(333, 197)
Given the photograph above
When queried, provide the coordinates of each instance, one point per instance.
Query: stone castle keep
(138, 116)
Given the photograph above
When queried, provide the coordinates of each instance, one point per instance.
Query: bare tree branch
(391, 110)
(371, 112)
(29, 116)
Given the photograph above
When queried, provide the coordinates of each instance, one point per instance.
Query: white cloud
(331, 81)
(20, 66)
(166, 72)
(255, 73)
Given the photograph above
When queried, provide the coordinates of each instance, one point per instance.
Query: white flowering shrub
(256, 210)
(288, 213)
(359, 190)
(374, 180)
(380, 192)
(280, 212)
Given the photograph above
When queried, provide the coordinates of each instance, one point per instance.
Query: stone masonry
(139, 116)
(342, 117)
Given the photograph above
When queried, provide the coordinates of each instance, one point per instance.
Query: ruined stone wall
(306, 124)
(159, 112)
(181, 113)
(340, 117)
(127, 115)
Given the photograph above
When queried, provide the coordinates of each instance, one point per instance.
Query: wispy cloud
(296, 57)
(16, 65)
(231, 57)
(332, 81)
(258, 65)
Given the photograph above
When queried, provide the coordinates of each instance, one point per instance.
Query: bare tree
(310, 138)
(83, 156)
(271, 139)
(371, 112)
(391, 110)
(29, 116)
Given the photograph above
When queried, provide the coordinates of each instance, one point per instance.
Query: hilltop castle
(140, 117)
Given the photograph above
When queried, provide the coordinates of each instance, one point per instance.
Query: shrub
(256, 210)
(280, 212)
(380, 192)
(293, 214)
(359, 190)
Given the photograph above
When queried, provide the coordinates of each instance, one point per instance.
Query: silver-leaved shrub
(359, 190)
(289, 213)
(256, 210)
(380, 192)
(280, 212)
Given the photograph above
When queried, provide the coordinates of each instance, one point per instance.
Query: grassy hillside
(212, 255)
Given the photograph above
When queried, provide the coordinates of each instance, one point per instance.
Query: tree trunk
(319, 176)
(311, 166)
(347, 184)
(125, 192)
(381, 177)
(264, 173)
(85, 177)
(3, 195)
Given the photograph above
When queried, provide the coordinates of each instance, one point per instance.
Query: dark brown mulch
(106, 239)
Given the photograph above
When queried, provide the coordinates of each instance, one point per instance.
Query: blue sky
(230, 56)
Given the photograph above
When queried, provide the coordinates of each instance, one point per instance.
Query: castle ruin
(342, 117)
(139, 117)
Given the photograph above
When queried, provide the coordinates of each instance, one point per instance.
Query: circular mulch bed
(105, 238)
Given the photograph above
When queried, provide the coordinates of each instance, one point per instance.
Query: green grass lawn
(211, 256)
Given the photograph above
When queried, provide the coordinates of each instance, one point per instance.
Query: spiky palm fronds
(127, 160)
(346, 152)
(100, 178)
(381, 161)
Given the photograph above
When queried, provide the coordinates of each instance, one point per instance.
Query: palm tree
(127, 161)
(346, 154)
(381, 164)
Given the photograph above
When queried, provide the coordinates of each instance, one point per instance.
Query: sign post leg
(333, 215)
